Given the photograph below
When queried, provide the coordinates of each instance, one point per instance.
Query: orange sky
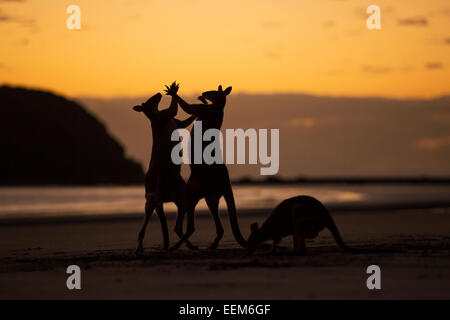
(130, 48)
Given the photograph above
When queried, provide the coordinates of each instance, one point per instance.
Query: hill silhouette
(47, 139)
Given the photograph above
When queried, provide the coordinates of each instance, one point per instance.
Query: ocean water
(59, 201)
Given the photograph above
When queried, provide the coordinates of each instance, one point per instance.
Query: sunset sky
(131, 48)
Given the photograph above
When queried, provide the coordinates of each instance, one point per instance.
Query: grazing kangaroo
(163, 182)
(303, 217)
(209, 181)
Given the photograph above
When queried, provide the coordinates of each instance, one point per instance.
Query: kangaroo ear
(254, 227)
(138, 108)
(220, 88)
(227, 90)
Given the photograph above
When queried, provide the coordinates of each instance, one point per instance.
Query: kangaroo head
(150, 107)
(218, 97)
(254, 240)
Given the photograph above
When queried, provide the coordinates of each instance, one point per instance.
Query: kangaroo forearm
(184, 105)
(185, 123)
(169, 113)
(172, 110)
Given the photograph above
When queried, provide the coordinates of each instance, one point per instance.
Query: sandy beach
(34, 259)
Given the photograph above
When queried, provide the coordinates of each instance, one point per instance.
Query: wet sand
(34, 258)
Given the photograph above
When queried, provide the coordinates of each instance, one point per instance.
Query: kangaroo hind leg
(165, 232)
(150, 205)
(193, 197)
(179, 224)
(213, 205)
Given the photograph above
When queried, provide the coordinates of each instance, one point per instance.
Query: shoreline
(10, 220)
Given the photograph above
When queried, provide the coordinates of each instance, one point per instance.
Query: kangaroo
(208, 181)
(303, 217)
(163, 182)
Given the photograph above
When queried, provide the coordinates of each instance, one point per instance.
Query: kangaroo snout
(138, 108)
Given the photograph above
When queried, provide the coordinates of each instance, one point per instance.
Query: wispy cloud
(4, 17)
(26, 22)
(335, 72)
(272, 54)
(328, 24)
(431, 144)
(442, 118)
(302, 122)
(376, 69)
(434, 65)
(311, 122)
(23, 42)
(415, 21)
(4, 67)
(272, 24)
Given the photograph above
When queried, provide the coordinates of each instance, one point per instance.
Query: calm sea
(58, 201)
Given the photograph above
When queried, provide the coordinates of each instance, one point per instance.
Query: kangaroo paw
(191, 246)
(139, 250)
(174, 247)
(213, 246)
(266, 246)
(299, 253)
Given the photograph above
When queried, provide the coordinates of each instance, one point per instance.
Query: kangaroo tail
(334, 231)
(229, 199)
(337, 236)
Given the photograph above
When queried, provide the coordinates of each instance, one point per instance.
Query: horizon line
(235, 93)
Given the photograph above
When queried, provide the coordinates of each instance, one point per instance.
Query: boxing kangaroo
(209, 181)
(163, 182)
(303, 217)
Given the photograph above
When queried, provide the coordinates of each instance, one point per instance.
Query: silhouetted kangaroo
(303, 217)
(163, 182)
(208, 181)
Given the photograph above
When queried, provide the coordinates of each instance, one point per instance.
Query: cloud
(272, 55)
(431, 144)
(328, 24)
(310, 122)
(4, 18)
(416, 21)
(302, 122)
(447, 40)
(335, 72)
(442, 118)
(376, 69)
(23, 42)
(4, 67)
(272, 24)
(406, 68)
(26, 22)
(434, 65)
